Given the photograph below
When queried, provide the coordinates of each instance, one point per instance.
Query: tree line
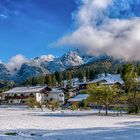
(89, 72)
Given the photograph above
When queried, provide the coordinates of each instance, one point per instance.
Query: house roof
(23, 90)
(79, 98)
(56, 91)
(109, 79)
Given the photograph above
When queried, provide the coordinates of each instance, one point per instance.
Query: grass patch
(11, 134)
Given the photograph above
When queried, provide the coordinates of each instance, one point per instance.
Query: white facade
(20, 95)
(57, 96)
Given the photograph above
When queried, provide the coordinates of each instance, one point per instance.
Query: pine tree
(130, 77)
(69, 76)
(87, 74)
(69, 80)
(53, 82)
(41, 80)
(59, 77)
(138, 69)
(81, 76)
(34, 81)
(48, 80)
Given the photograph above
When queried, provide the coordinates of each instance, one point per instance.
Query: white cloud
(15, 62)
(3, 16)
(119, 38)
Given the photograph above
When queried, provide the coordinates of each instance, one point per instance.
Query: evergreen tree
(91, 75)
(59, 77)
(81, 76)
(34, 81)
(48, 80)
(69, 80)
(53, 82)
(28, 82)
(87, 74)
(130, 77)
(41, 80)
(138, 69)
(64, 75)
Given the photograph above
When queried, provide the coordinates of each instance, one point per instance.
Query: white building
(19, 95)
(56, 95)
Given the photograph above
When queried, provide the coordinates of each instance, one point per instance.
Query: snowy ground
(67, 125)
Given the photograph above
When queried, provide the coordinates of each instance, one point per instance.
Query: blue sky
(28, 26)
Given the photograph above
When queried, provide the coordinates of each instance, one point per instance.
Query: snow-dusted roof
(79, 98)
(56, 91)
(33, 89)
(74, 82)
(109, 79)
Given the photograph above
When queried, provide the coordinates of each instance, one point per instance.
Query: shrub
(54, 105)
(31, 102)
(74, 107)
(39, 105)
(11, 134)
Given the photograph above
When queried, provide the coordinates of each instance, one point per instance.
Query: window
(61, 102)
(11, 101)
(31, 95)
(61, 95)
(22, 95)
(15, 95)
(51, 99)
(22, 102)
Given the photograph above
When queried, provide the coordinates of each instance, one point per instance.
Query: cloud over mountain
(107, 27)
(15, 62)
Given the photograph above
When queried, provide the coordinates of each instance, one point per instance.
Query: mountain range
(46, 64)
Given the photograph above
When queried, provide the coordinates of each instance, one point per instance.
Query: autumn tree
(103, 95)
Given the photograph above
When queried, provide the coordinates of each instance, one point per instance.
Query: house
(108, 79)
(56, 94)
(19, 95)
(73, 82)
(78, 99)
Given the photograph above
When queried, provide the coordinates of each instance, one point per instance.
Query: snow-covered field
(66, 125)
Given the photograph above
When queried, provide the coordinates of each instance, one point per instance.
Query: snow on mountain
(57, 65)
(46, 64)
(96, 58)
(30, 69)
(45, 58)
(72, 58)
